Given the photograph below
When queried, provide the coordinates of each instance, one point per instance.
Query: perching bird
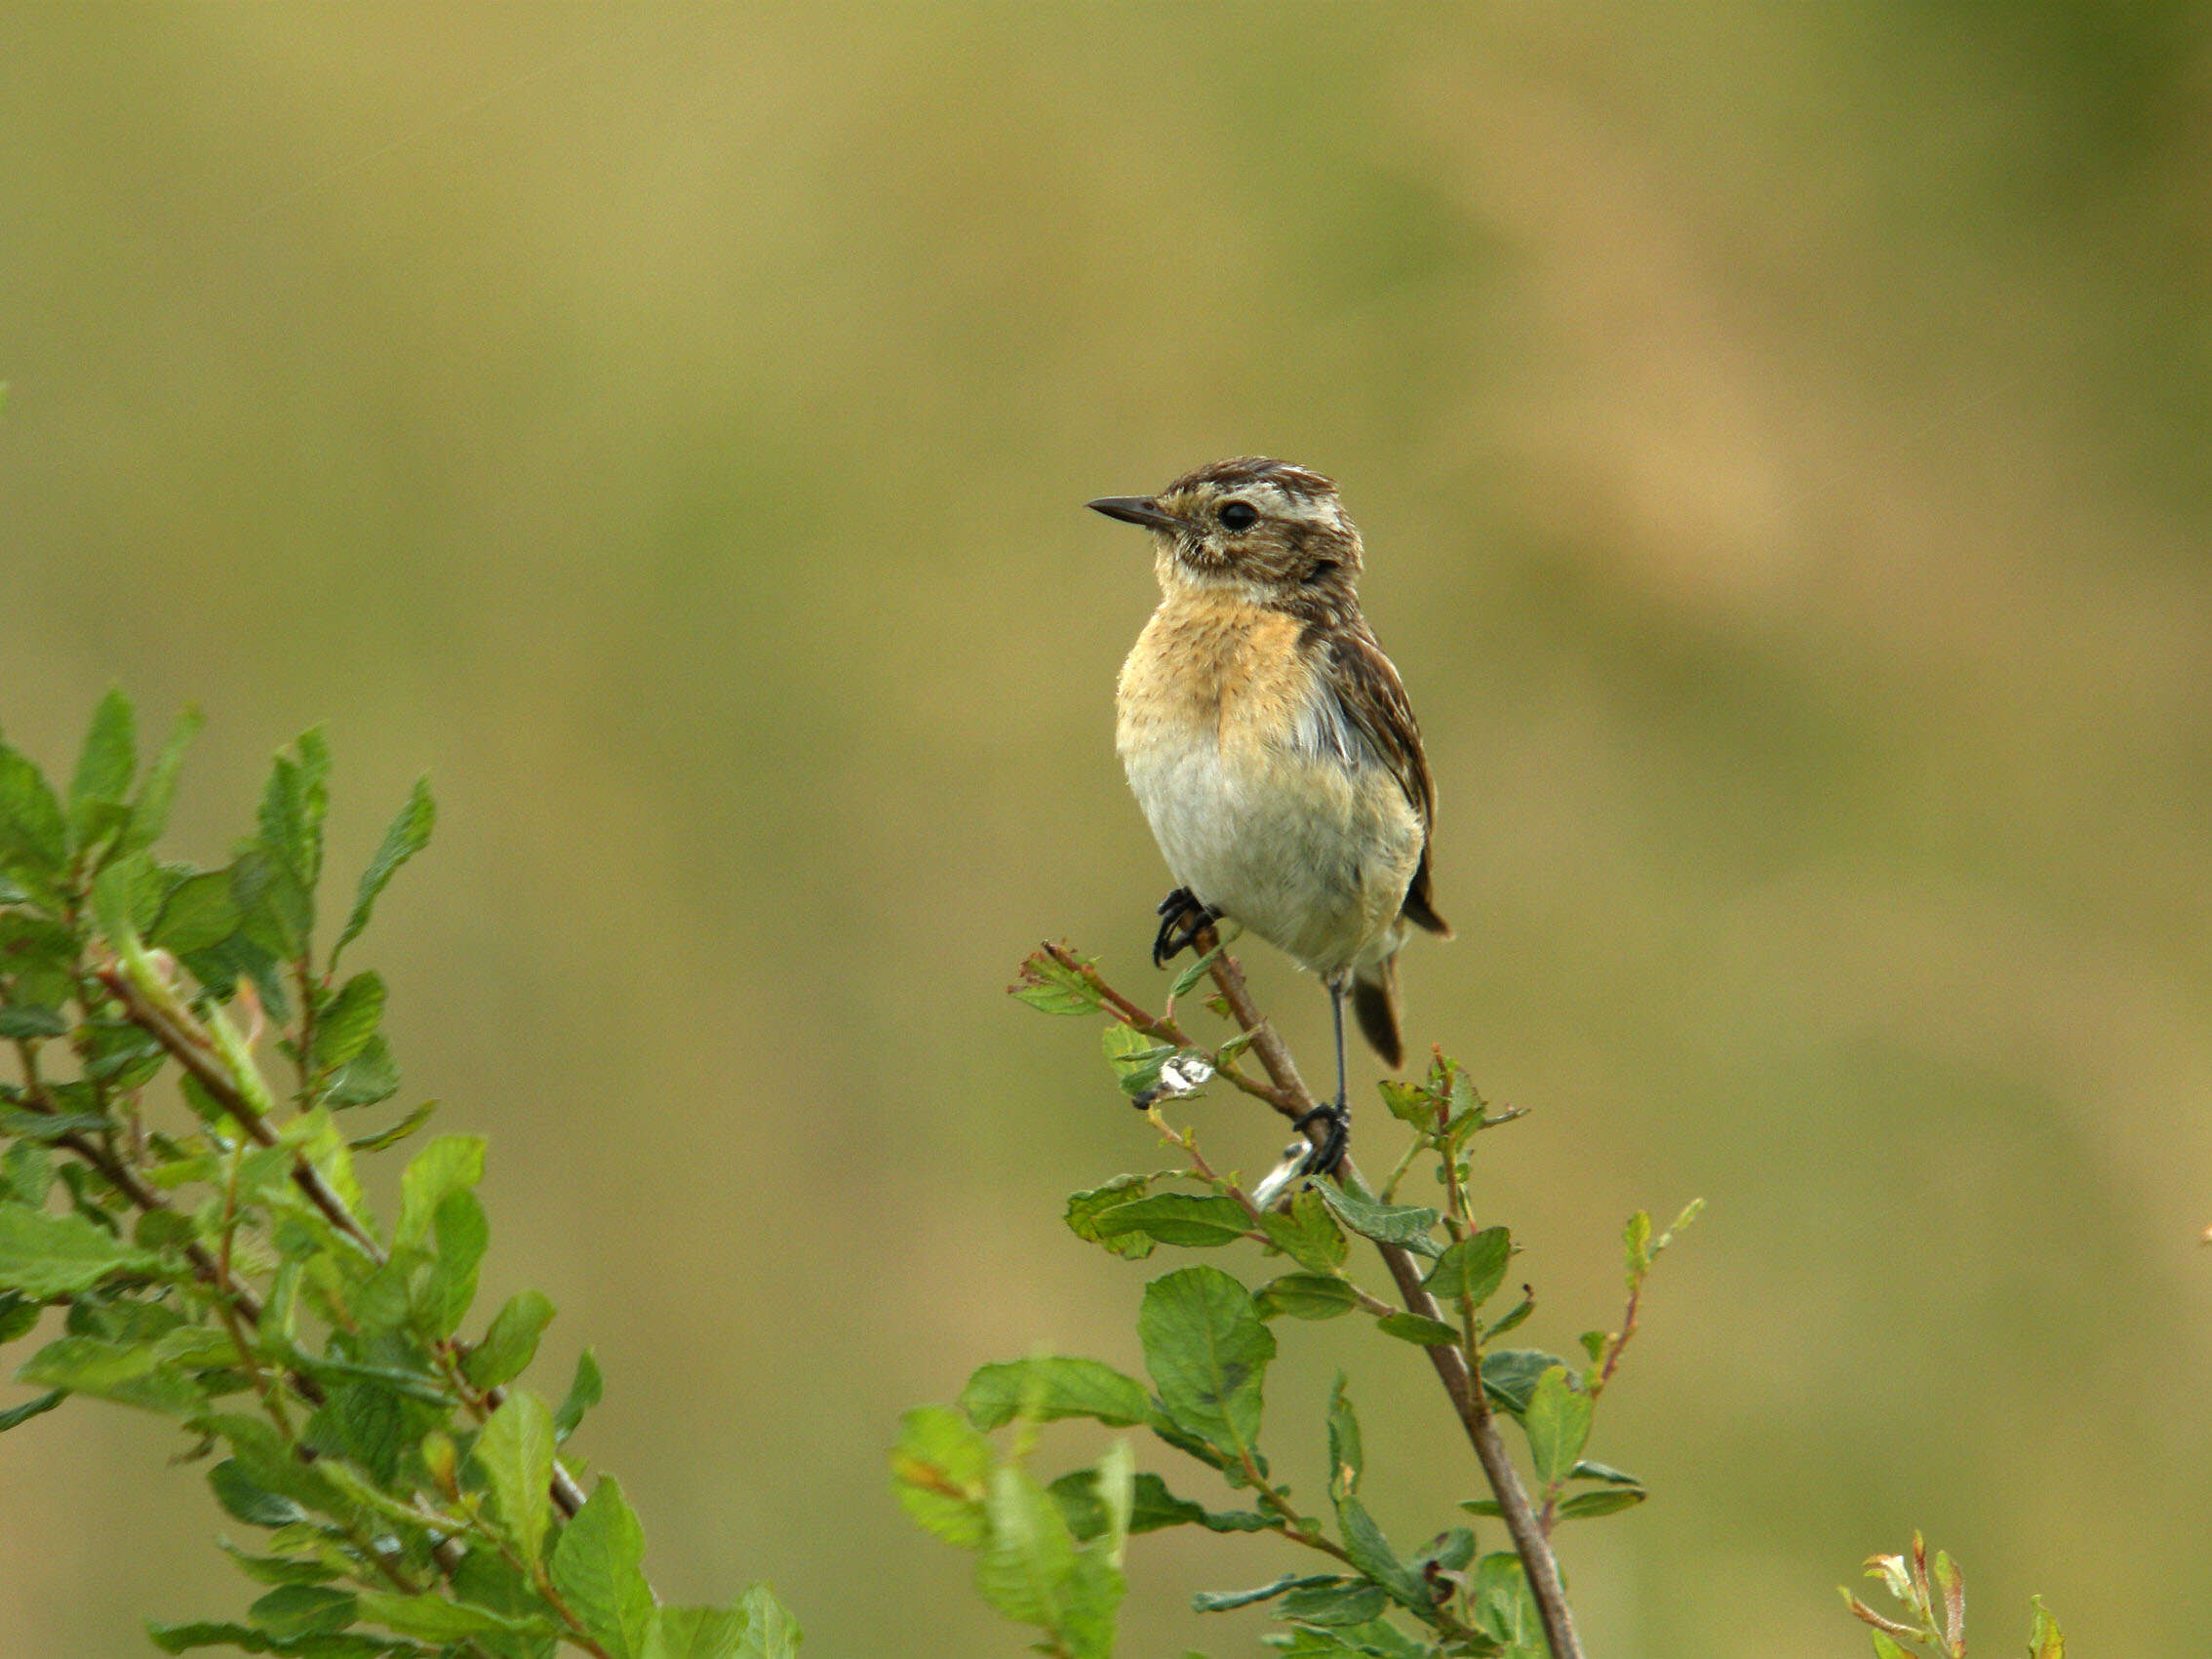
(1271, 745)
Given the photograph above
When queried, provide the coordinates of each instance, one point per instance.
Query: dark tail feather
(1374, 1001)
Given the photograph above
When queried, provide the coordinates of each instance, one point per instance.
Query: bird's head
(1265, 527)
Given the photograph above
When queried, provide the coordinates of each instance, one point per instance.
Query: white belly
(1310, 853)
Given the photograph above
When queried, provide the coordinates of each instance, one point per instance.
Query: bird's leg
(1182, 917)
(1330, 1153)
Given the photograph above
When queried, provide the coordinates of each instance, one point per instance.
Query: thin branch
(1468, 1399)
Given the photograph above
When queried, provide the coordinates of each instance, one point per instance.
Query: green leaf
(937, 1470)
(130, 1373)
(1307, 1234)
(1586, 1469)
(302, 1609)
(16, 1415)
(770, 1632)
(105, 763)
(1031, 1571)
(1509, 1375)
(1372, 1554)
(1410, 1103)
(1335, 1602)
(21, 1021)
(1347, 1452)
(384, 1140)
(1403, 1224)
(1152, 1508)
(447, 1164)
(1048, 986)
(177, 1638)
(1044, 1390)
(2045, 1640)
(149, 808)
(1504, 1606)
(1086, 1211)
(1197, 970)
(349, 1021)
(45, 1255)
(433, 1618)
(246, 1499)
(511, 1342)
(1187, 1219)
(1607, 1500)
(200, 912)
(448, 1289)
(278, 1569)
(1229, 1601)
(1306, 1297)
(598, 1569)
(1135, 1058)
(1208, 1351)
(408, 834)
(515, 1451)
(33, 836)
(585, 1392)
(1472, 1268)
(1417, 1328)
(1887, 1646)
(1558, 1424)
(369, 1077)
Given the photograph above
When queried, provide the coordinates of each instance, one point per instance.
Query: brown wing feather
(1374, 700)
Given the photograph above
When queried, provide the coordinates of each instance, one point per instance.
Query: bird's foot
(1327, 1153)
(1182, 917)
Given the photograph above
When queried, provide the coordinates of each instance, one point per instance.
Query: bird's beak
(1135, 509)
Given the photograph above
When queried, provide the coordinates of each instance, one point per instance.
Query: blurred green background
(1781, 434)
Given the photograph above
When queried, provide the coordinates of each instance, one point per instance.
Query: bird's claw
(1182, 917)
(1329, 1152)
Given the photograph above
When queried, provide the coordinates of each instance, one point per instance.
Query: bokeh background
(1781, 434)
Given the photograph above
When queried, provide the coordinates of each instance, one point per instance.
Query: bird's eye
(1238, 515)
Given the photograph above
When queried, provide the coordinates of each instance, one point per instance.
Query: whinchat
(1270, 742)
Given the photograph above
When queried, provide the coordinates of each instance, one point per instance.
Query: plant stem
(1463, 1389)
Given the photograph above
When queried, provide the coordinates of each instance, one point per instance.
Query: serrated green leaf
(1410, 1103)
(515, 1452)
(1050, 988)
(345, 1026)
(1505, 1608)
(1031, 1569)
(105, 763)
(1086, 1210)
(1306, 1297)
(1558, 1423)
(45, 1255)
(1044, 1390)
(2045, 1640)
(1137, 1058)
(598, 1569)
(1474, 1268)
(938, 1469)
(1189, 1220)
(407, 835)
(1208, 1351)
(511, 1342)
(1307, 1233)
(449, 1289)
(1403, 1224)
(246, 1499)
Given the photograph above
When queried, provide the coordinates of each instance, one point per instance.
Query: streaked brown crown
(1265, 521)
